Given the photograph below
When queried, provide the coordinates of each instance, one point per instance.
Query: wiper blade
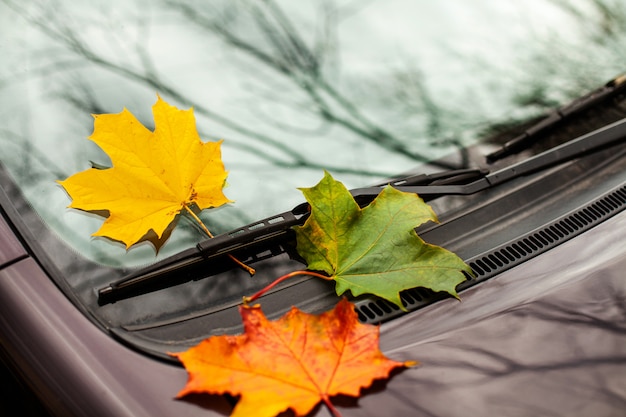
(271, 229)
(521, 142)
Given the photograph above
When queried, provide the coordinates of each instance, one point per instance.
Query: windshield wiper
(521, 142)
(276, 228)
(270, 229)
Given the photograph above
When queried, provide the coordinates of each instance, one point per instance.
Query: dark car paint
(547, 338)
(544, 338)
(75, 368)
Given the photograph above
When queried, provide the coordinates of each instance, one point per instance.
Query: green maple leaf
(374, 250)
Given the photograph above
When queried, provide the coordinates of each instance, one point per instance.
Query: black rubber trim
(506, 256)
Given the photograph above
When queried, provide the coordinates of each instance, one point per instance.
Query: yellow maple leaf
(154, 175)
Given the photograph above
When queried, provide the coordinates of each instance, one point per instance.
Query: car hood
(547, 338)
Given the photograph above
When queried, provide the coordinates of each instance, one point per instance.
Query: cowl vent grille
(506, 256)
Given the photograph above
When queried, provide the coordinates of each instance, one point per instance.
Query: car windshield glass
(364, 89)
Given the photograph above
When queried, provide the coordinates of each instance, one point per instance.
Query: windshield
(364, 89)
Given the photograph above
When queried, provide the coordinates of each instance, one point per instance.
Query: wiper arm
(271, 229)
(611, 89)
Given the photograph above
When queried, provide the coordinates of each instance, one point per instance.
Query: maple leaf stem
(250, 270)
(278, 280)
(331, 407)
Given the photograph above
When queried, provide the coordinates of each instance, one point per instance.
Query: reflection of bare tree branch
(604, 18)
(293, 58)
(283, 50)
(302, 59)
(503, 365)
(476, 365)
(27, 156)
(59, 31)
(571, 315)
(79, 94)
(269, 95)
(44, 70)
(410, 93)
(590, 358)
(566, 345)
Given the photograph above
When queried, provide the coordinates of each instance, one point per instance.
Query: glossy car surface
(373, 93)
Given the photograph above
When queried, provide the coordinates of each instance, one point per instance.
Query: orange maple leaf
(155, 175)
(294, 362)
